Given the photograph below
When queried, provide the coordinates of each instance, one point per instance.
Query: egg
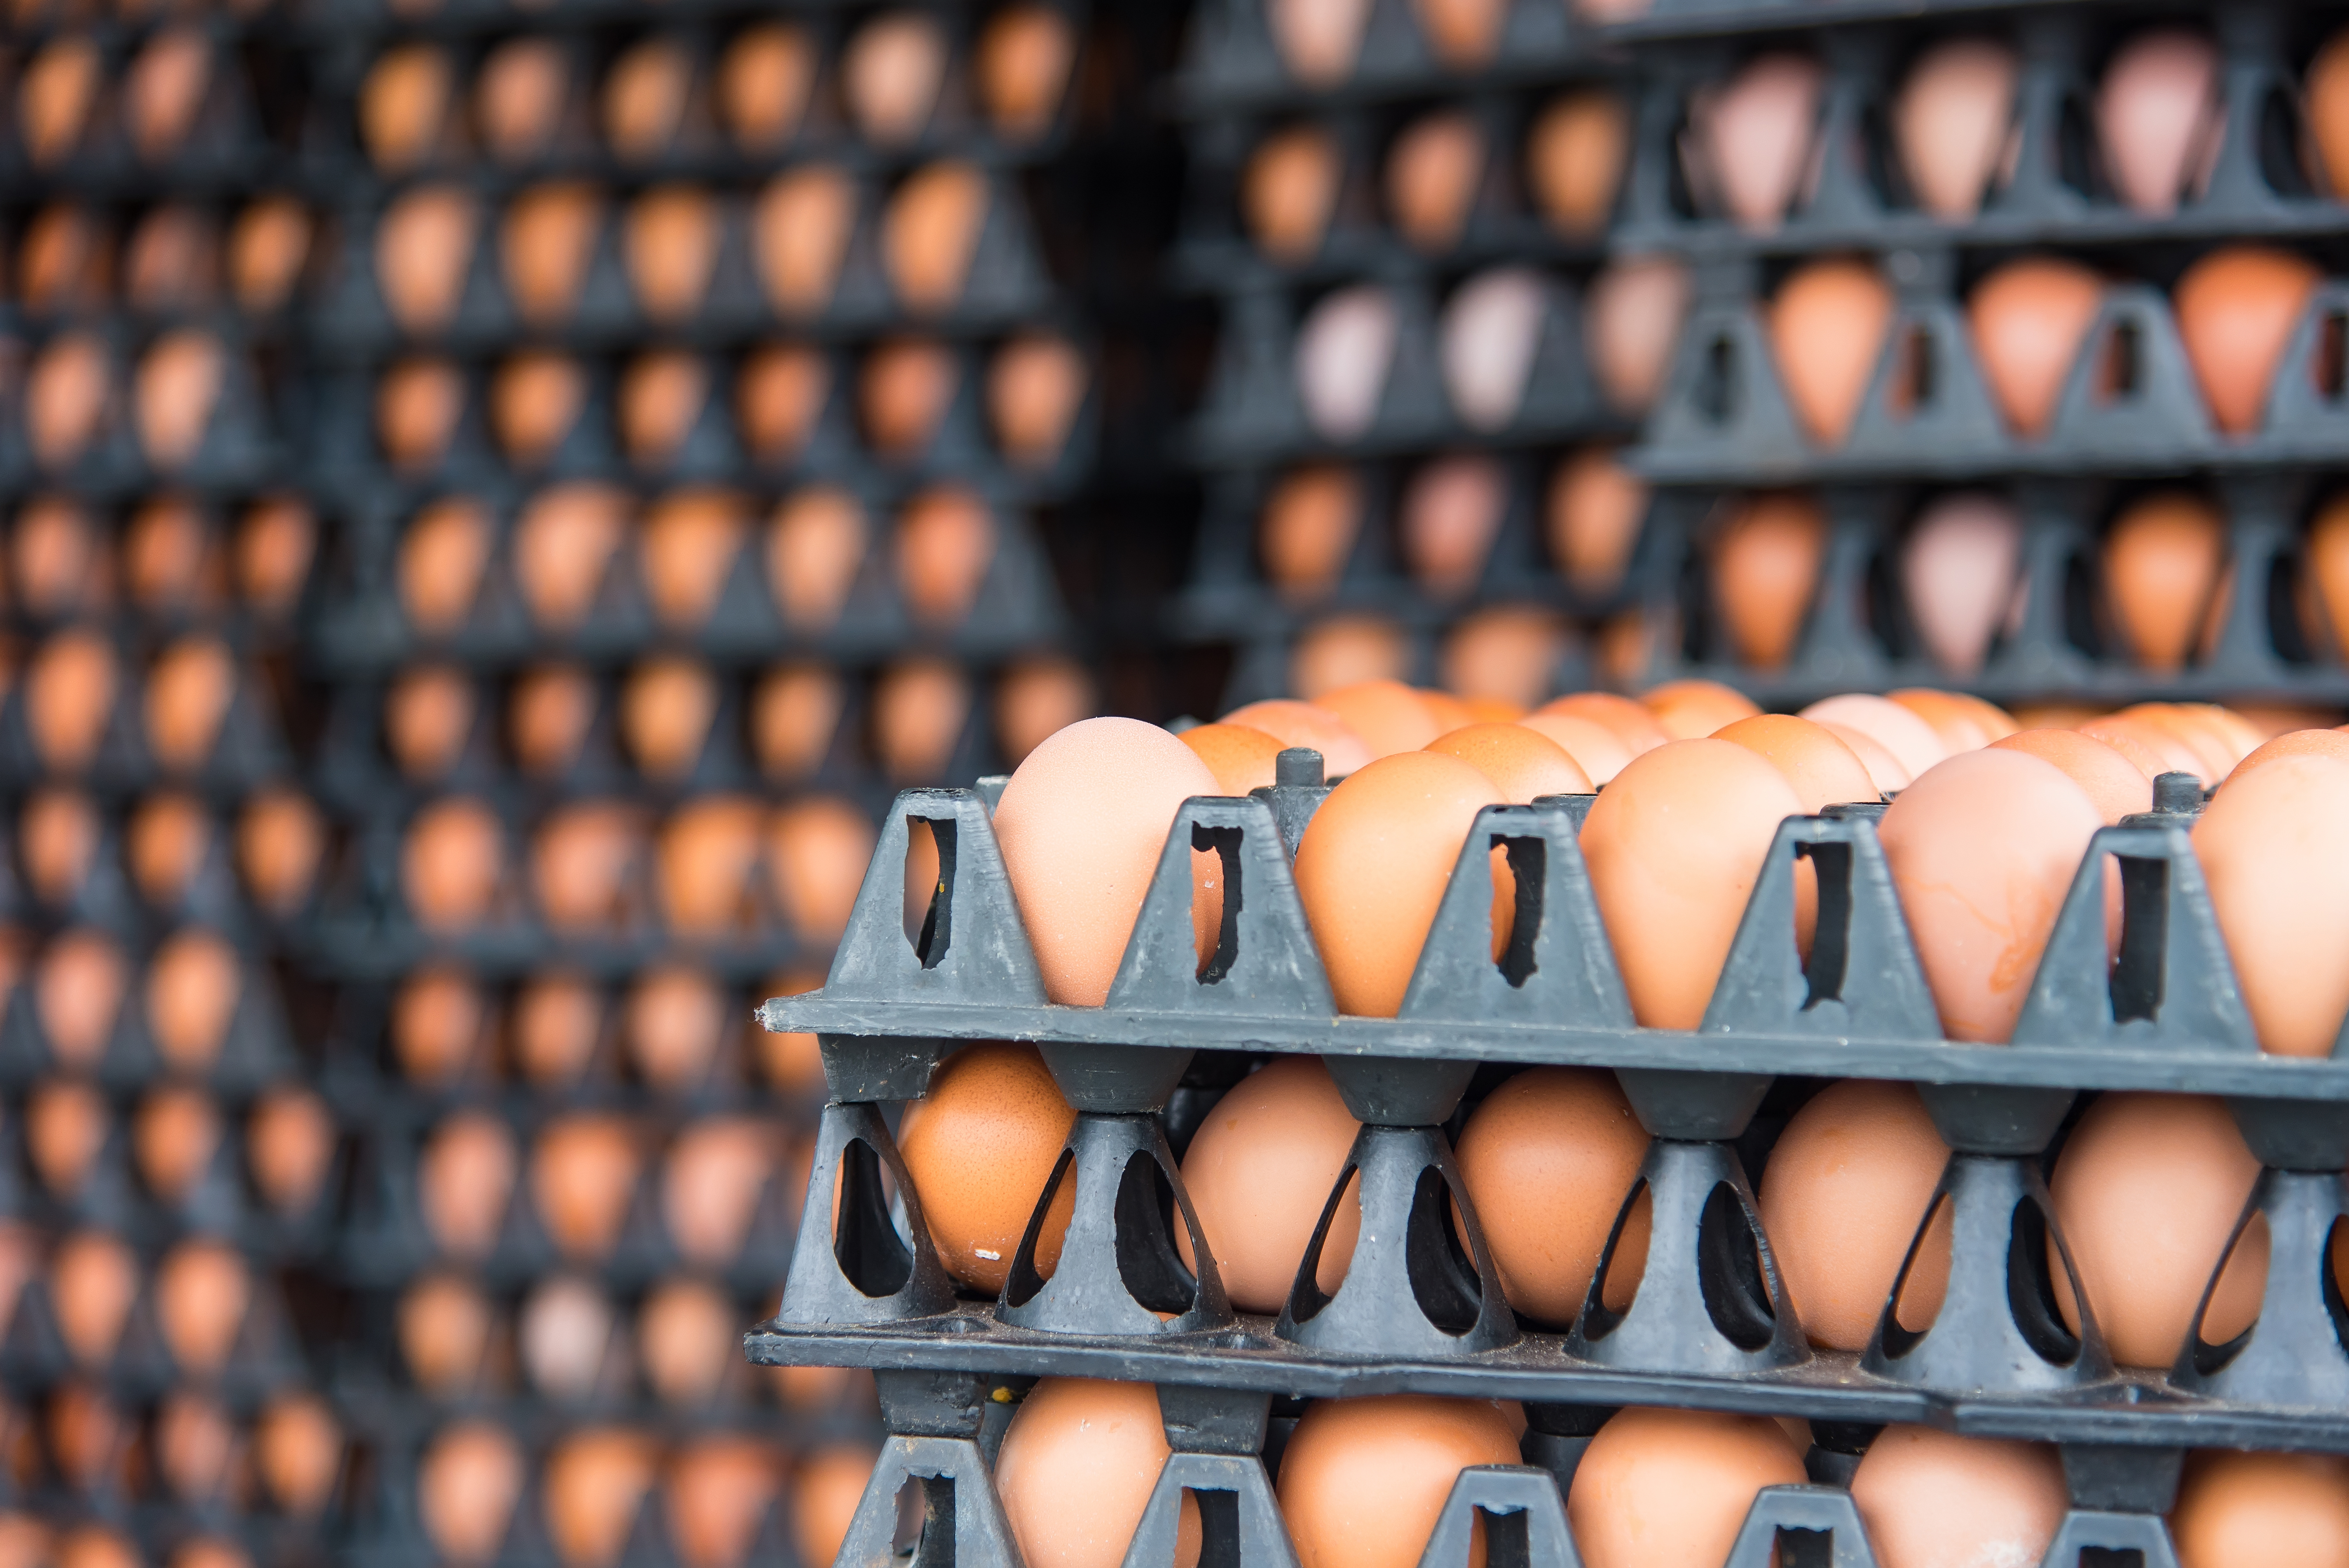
(421, 247)
(1500, 660)
(1408, 814)
(417, 405)
(890, 75)
(2161, 561)
(57, 840)
(717, 1492)
(2236, 309)
(54, 560)
(802, 226)
(402, 103)
(711, 1186)
(1289, 189)
(669, 243)
(167, 561)
(77, 992)
(687, 546)
(299, 1449)
(1575, 158)
(2240, 1510)
(1827, 324)
(1596, 750)
(267, 247)
(2029, 319)
(563, 543)
(441, 560)
(519, 94)
(1961, 722)
(1023, 65)
(437, 1018)
(558, 1019)
(705, 853)
(67, 398)
(289, 1143)
(826, 1490)
(1240, 757)
(2158, 117)
(1982, 849)
(1670, 1489)
(919, 710)
(1749, 138)
(1344, 350)
(1362, 1482)
(1300, 723)
(546, 241)
(1520, 763)
(1630, 723)
(1547, 1159)
(817, 850)
(1259, 1171)
(1765, 565)
(93, 1281)
(814, 548)
(1841, 1200)
(1486, 339)
(780, 389)
(443, 1330)
(794, 713)
(1317, 40)
(1595, 510)
(583, 1174)
(1671, 896)
(547, 713)
(685, 1335)
(2323, 90)
(594, 1484)
(1935, 1499)
(1954, 121)
(2153, 750)
(1079, 1459)
(189, 689)
(979, 1148)
(581, 862)
(464, 1181)
(57, 90)
(676, 1018)
(2332, 743)
(764, 81)
(1959, 576)
(930, 231)
(1693, 709)
(565, 1330)
(1911, 741)
(65, 1125)
(192, 986)
(1035, 386)
(1451, 511)
(1037, 698)
(467, 1485)
(1822, 770)
(1432, 172)
(201, 1293)
(2117, 786)
(2268, 843)
(1631, 319)
(63, 260)
(167, 839)
(164, 90)
(2148, 1189)
(194, 1447)
(177, 389)
(646, 93)
(660, 396)
(171, 263)
(1346, 650)
(945, 544)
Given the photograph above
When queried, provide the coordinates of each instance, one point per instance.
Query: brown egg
(764, 81)
(1035, 386)
(437, 1018)
(1308, 527)
(289, 1142)
(666, 706)
(1672, 899)
(2327, 126)
(814, 547)
(2153, 748)
(1347, 651)
(2293, 742)
(676, 1018)
(711, 1186)
(2029, 319)
(93, 1279)
(2236, 309)
(690, 540)
(55, 560)
(67, 398)
(1827, 324)
(2267, 844)
(441, 559)
(646, 95)
(549, 712)
(1822, 770)
(1952, 123)
(1387, 715)
(1434, 171)
(1575, 157)
(719, 1490)
(299, 1445)
(1363, 1481)
(1911, 742)
(2161, 563)
(519, 96)
(189, 689)
(1289, 189)
(1504, 655)
(1747, 151)
(464, 1181)
(88, 1439)
(558, 1018)
(669, 242)
(778, 393)
(708, 851)
(991, 1108)
(1670, 1489)
(195, 1447)
(1693, 709)
(1961, 722)
(64, 260)
(1765, 564)
(167, 561)
(1929, 1498)
(1548, 1157)
(54, 95)
(2158, 117)
(1077, 1469)
(686, 1333)
(1241, 758)
(794, 713)
(1021, 67)
(891, 74)
(1035, 699)
(193, 983)
(546, 240)
(930, 233)
(816, 853)
(1464, 33)
(1452, 511)
(905, 388)
(1632, 725)
(417, 405)
(24, 1541)
(1595, 507)
(267, 247)
(76, 991)
(534, 401)
(919, 710)
(583, 1173)
(171, 263)
(466, 1487)
(2240, 1510)
(563, 544)
(280, 840)
(1522, 764)
(801, 228)
(565, 1328)
(403, 104)
(1317, 40)
(93, 1546)
(422, 247)
(427, 716)
(661, 395)
(825, 1490)
(66, 1126)
(57, 838)
(1302, 724)
(444, 1332)
(1410, 811)
(2116, 784)
(581, 864)
(201, 1293)
(449, 867)
(943, 547)
(1631, 320)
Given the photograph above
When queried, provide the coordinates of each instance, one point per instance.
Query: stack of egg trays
(1420, 1309)
(1234, 90)
(1724, 423)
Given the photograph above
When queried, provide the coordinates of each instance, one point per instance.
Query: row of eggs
(176, 1134)
(1510, 655)
(68, 95)
(889, 80)
(165, 556)
(173, 257)
(286, 1460)
(78, 984)
(536, 401)
(67, 849)
(74, 392)
(71, 684)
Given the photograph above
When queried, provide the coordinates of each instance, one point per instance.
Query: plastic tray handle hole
(2252, 1239)
(929, 901)
(1916, 372)
(1803, 1549)
(2138, 970)
(1513, 944)
(1442, 1280)
(1923, 1283)
(1220, 1526)
(2111, 1557)
(1729, 1270)
(2330, 365)
(2120, 372)
(1507, 1541)
(864, 1241)
(925, 1516)
(1621, 1265)
(1320, 1276)
(1146, 1259)
(1830, 956)
(1217, 956)
(1028, 1272)
(1714, 396)
(2031, 1286)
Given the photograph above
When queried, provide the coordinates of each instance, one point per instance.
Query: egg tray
(1226, 1445)
(1501, 224)
(1253, 413)
(330, 20)
(2257, 188)
(250, 631)
(1233, 65)
(256, 1050)
(1668, 22)
(1725, 418)
(349, 466)
(1857, 636)
(156, 1527)
(266, 1362)
(366, 629)
(248, 753)
(1004, 285)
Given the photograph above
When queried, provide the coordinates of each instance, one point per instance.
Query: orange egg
(1433, 170)
(1630, 723)
(779, 392)
(2270, 843)
(2326, 88)
(1287, 191)
(1631, 317)
(583, 1176)
(1078, 1464)
(979, 1148)
(2147, 1190)
(1765, 566)
(2213, 750)
(2117, 786)
(825, 1491)
(1822, 770)
(2152, 748)
(945, 545)
(1548, 1157)
(2332, 743)
(2247, 1511)
(1259, 1171)
(763, 83)
(464, 1181)
(547, 242)
(803, 224)
(1911, 741)
(815, 546)
(1693, 709)
(1599, 751)
(563, 543)
(1022, 66)
(1827, 330)
(1959, 723)
(2237, 308)
(2162, 563)
(1240, 757)
(1307, 724)
(1407, 814)
(1575, 157)
(1675, 844)
(2029, 318)
(1522, 763)
(930, 233)
(1363, 1480)
(1934, 1500)
(1670, 1489)
(1388, 715)
(1347, 651)
(1594, 511)
(1499, 660)
(1841, 1201)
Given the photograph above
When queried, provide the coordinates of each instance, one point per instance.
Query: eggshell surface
(2116, 784)
(1934, 1500)
(1549, 1156)
(1363, 1480)
(2236, 311)
(1259, 1171)
(1303, 724)
(1077, 1467)
(979, 1148)
(2274, 848)
(1822, 770)
(1670, 1489)
(2251, 1510)
(1522, 763)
